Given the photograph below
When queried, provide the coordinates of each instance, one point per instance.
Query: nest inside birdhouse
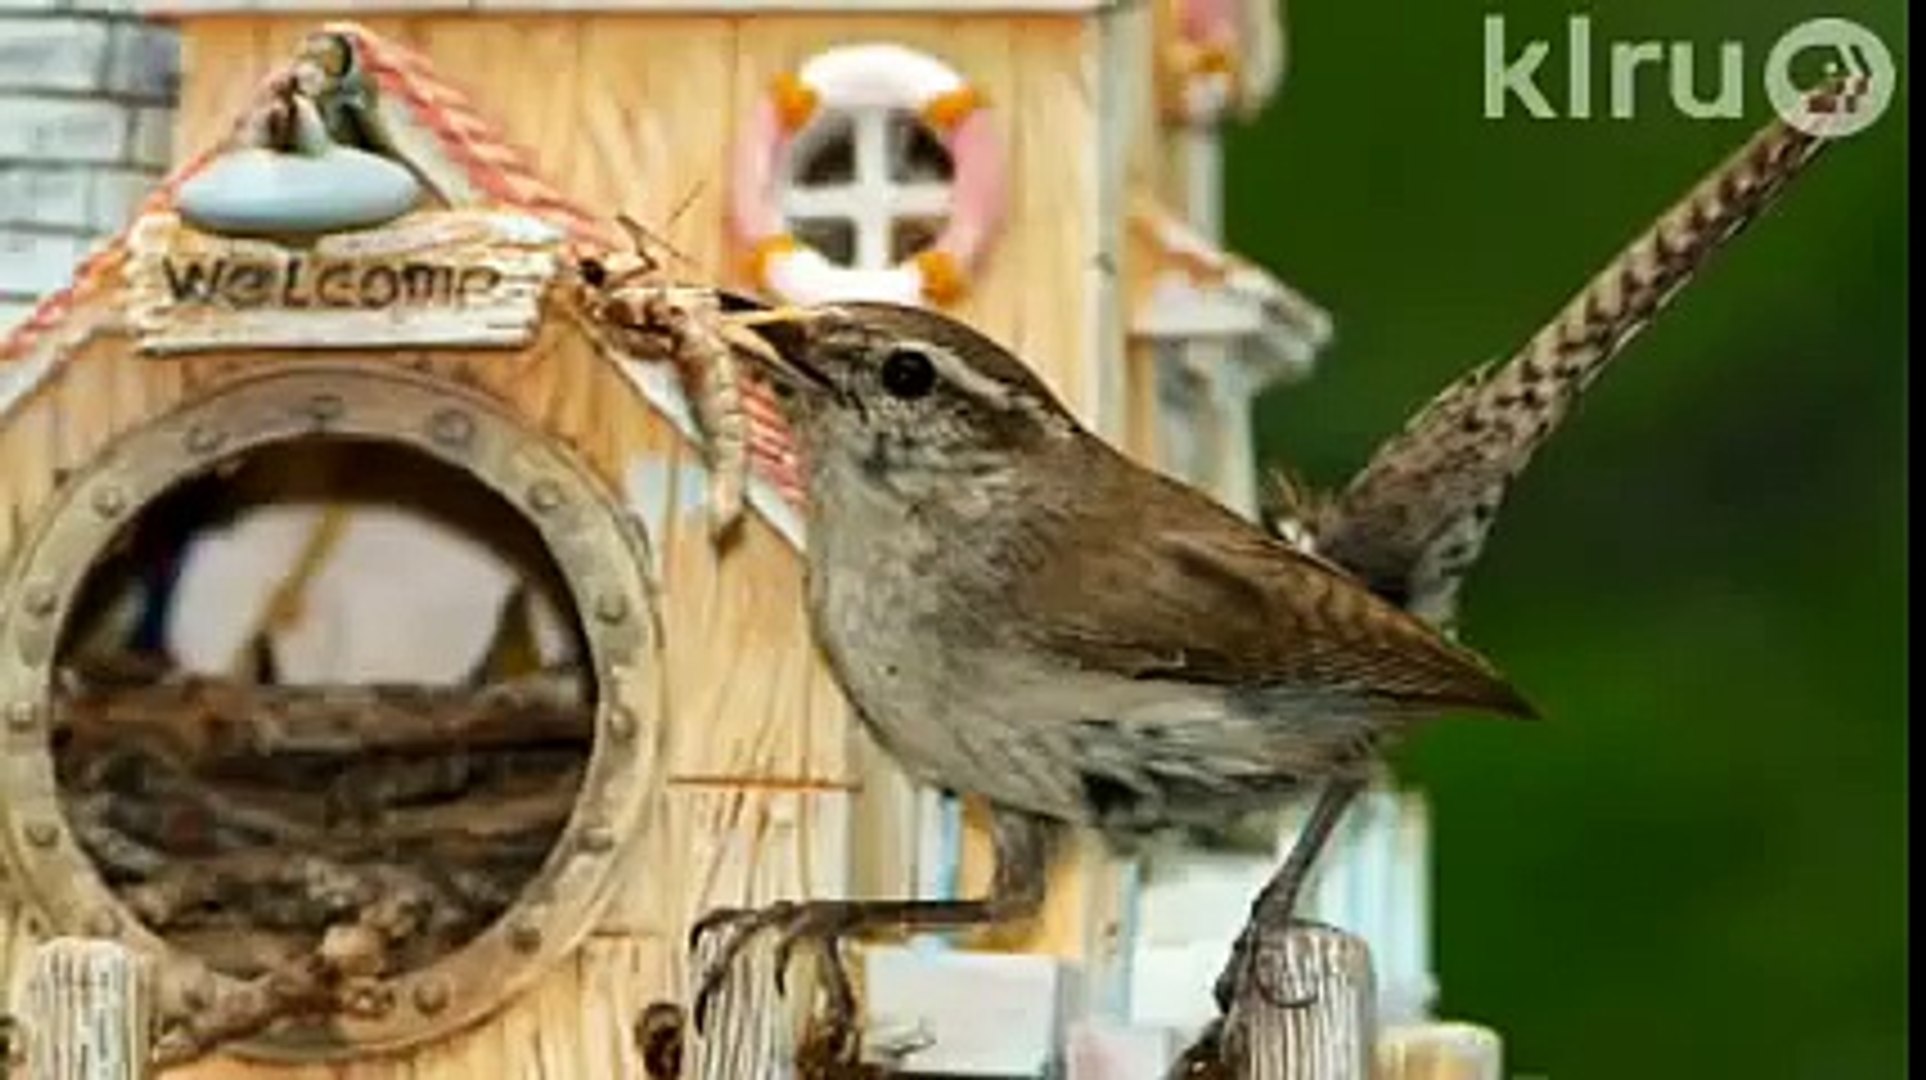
(301, 833)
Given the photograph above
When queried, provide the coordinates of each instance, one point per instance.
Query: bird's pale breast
(960, 708)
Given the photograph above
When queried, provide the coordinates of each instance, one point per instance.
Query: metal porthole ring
(591, 537)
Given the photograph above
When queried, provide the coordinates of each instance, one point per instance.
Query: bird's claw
(746, 923)
(1241, 971)
(716, 918)
(822, 926)
(1205, 1058)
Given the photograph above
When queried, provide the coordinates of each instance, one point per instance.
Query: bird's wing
(1415, 518)
(1200, 595)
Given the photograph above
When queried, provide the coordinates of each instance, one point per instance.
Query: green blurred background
(1696, 866)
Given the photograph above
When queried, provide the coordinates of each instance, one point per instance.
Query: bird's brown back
(1173, 585)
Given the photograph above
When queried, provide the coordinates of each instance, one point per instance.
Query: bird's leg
(1021, 846)
(1277, 901)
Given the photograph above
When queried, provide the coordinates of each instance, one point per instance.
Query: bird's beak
(735, 303)
(784, 334)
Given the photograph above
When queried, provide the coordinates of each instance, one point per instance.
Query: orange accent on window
(943, 280)
(1189, 59)
(795, 101)
(1214, 60)
(767, 250)
(946, 110)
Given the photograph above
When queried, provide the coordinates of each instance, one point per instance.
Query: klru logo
(1702, 83)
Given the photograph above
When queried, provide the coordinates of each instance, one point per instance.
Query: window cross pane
(873, 180)
(868, 188)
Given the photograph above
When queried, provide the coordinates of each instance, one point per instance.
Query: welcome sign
(449, 278)
(301, 282)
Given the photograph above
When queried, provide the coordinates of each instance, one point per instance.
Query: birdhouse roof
(465, 157)
(1190, 288)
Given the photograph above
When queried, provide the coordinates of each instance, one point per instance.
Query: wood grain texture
(86, 1011)
(753, 1031)
(1056, 184)
(1153, 156)
(229, 58)
(1308, 1015)
(1140, 426)
(1439, 1051)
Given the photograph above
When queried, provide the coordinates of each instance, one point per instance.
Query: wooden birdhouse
(365, 654)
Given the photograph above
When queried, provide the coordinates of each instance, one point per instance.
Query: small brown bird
(1019, 612)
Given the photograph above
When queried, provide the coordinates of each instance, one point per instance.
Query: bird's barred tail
(1574, 348)
(1415, 518)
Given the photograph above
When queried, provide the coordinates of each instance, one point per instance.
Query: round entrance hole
(255, 757)
(414, 780)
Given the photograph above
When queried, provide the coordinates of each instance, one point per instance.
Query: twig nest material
(353, 949)
(317, 187)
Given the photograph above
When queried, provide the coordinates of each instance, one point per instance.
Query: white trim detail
(1213, 294)
(804, 276)
(877, 76)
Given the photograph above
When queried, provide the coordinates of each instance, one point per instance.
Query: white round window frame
(854, 79)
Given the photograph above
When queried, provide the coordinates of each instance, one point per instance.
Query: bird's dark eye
(908, 373)
(594, 273)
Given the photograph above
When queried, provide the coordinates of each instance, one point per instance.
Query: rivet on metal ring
(40, 601)
(525, 937)
(109, 502)
(544, 496)
(597, 839)
(202, 439)
(612, 608)
(41, 834)
(431, 996)
(323, 408)
(452, 428)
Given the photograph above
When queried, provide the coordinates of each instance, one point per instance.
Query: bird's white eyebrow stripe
(966, 378)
